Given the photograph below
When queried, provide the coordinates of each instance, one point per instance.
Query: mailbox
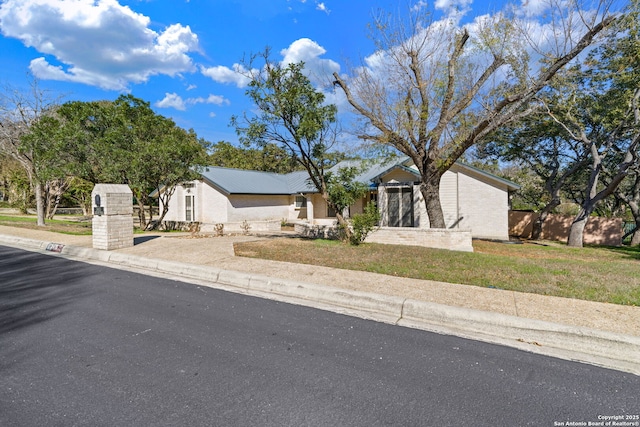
(112, 216)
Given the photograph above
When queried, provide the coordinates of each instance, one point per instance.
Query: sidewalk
(453, 308)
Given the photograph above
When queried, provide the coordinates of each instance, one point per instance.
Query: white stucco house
(471, 199)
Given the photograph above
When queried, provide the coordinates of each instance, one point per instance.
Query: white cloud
(211, 99)
(419, 5)
(322, 7)
(237, 74)
(309, 52)
(173, 100)
(100, 43)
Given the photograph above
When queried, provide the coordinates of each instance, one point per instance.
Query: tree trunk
(141, 215)
(635, 239)
(164, 196)
(430, 190)
(536, 233)
(576, 233)
(39, 203)
(634, 206)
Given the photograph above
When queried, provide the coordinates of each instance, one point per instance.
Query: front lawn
(604, 274)
(78, 226)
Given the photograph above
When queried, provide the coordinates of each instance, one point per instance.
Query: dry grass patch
(592, 273)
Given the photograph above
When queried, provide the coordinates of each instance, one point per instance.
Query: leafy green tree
(124, 141)
(602, 113)
(292, 113)
(15, 188)
(538, 145)
(268, 158)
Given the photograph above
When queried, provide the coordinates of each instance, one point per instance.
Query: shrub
(364, 223)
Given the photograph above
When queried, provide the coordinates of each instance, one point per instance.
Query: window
(400, 206)
(301, 202)
(189, 208)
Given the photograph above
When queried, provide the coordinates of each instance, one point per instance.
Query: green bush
(364, 223)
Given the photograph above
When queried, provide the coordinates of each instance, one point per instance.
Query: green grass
(73, 227)
(606, 274)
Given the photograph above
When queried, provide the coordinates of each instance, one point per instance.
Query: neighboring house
(471, 199)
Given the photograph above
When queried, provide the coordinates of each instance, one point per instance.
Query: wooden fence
(598, 231)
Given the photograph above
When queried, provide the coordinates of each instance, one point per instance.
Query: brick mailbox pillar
(112, 216)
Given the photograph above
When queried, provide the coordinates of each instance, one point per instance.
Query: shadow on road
(143, 239)
(35, 288)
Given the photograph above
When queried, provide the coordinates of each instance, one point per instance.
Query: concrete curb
(607, 349)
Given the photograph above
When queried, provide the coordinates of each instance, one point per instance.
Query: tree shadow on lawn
(632, 252)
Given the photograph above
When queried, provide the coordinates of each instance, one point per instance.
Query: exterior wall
(256, 207)
(210, 204)
(239, 227)
(598, 231)
(213, 207)
(456, 240)
(469, 201)
(450, 199)
(320, 210)
(399, 175)
(483, 207)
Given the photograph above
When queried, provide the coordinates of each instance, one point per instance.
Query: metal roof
(240, 181)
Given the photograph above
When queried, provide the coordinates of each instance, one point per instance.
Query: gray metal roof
(239, 181)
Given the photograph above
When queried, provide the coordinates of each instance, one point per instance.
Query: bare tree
(19, 110)
(434, 90)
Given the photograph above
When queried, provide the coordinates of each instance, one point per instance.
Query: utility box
(112, 206)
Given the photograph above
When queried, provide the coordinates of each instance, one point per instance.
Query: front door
(400, 206)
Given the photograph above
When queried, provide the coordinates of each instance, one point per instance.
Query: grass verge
(605, 274)
(74, 227)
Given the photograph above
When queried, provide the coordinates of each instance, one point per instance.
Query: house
(471, 199)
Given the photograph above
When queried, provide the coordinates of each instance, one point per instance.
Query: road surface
(88, 345)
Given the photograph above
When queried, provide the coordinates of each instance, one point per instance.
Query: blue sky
(179, 55)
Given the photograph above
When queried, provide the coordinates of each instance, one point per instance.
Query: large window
(189, 208)
(301, 202)
(400, 206)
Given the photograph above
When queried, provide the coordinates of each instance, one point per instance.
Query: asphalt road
(89, 345)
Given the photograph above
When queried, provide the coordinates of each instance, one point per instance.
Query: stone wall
(112, 225)
(455, 239)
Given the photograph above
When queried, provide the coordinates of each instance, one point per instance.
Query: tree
(19, 111)
(15, 184)
(630, 195)
(603, 114)
(539, 145)
(269, 158)
(124, 142)
(292, 113)
(432, 90)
